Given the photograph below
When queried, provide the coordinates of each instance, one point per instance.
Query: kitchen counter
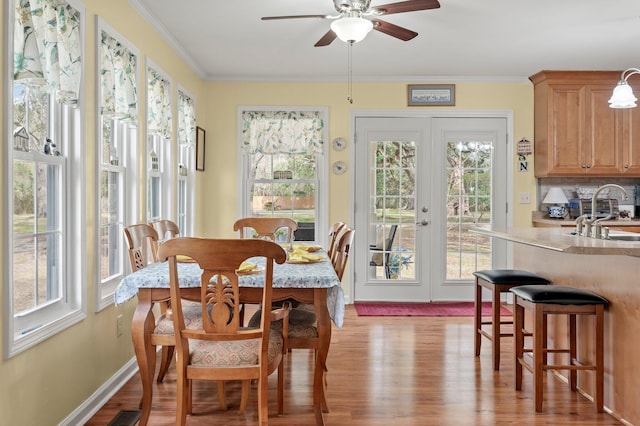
(608, 268)
(560, 240)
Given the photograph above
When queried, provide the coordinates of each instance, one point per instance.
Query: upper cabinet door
(576, 133)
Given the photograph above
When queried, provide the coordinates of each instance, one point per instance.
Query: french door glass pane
(469, 189)
(392, 210)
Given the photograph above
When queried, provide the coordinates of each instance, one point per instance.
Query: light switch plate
(525, 198)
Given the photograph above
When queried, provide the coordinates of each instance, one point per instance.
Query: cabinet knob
(626, 166)
(584, 166)
(588, 166)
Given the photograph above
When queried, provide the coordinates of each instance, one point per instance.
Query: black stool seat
(511, 276)
(558, 295)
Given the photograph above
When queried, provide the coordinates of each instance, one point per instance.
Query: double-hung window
(116, 159)
(283, 166)
(159, 136)
(186, 161)
(44, 173)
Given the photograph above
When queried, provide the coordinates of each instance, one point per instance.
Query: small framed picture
(200, 140)
(431, 94)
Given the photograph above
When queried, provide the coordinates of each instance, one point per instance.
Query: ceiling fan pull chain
(350, 73)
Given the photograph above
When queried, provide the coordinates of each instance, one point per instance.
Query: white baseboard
(90, 407)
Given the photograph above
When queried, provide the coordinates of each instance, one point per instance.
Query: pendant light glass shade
(623, 96)
(351, 29)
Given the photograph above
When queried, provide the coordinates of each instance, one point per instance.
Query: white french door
(421, 184)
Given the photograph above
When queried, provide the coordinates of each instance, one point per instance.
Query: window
(159, 132)
(283, 167)
(117, 159)
(186, 161)
(44, 173)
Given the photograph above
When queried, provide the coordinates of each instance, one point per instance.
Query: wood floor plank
(386, 371)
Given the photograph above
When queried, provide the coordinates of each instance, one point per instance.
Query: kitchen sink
(624, 237)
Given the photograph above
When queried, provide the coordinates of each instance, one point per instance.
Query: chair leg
(165, 362)
(518, 329)
(477, 318)
(573, 352)
(281, 388)
(221, 396)
(263, 407)
(244, 396)
(495, 328)
(538, 355)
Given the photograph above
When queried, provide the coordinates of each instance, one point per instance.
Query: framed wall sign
(431, 94)
(200, 140)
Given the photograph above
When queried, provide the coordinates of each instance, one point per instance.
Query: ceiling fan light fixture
(351, 29)
(623, 96)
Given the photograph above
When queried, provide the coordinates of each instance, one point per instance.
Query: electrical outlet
(525, 198)
(119, 325)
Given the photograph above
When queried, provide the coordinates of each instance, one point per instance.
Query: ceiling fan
(356, 18)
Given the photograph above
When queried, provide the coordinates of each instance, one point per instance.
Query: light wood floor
(386, 371)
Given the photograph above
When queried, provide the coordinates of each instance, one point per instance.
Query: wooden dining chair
(219, 348)
(265, 227)
(333, 234)
(165, 228)
(143, 244)
(341, 255)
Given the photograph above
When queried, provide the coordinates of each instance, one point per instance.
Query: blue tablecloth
(311, 275)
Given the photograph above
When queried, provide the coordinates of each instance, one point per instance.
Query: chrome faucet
(593, 222)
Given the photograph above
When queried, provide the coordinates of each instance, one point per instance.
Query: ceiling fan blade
(326, 39)
(393, 30)
(405, 6)
(271, 18)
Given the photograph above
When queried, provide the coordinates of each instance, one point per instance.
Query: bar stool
(498, 281)
(553, 299)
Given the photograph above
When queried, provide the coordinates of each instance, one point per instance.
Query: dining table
(313, 282)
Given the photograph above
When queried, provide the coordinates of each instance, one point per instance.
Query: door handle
(424, 222)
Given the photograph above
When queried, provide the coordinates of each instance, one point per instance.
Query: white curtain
(118, 82)
(47, 46)
(159, 107)
(282, 132)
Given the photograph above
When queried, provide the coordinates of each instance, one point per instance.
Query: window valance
(186, 120)
(282, 132)
(118, 79)
(48, 48)
(159, 104)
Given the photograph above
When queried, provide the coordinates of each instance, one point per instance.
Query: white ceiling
(463, 40)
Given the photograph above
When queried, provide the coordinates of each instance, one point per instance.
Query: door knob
(424, 222)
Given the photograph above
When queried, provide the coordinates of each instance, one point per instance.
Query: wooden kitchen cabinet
(576, 133)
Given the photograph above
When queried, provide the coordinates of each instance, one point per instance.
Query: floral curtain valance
(158, 105)
(186, 120)
(282, 132)
(118, 83)
(47, 47)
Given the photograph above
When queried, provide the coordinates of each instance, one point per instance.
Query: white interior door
(421, 184)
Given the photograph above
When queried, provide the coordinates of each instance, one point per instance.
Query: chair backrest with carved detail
(165, 228)
(265, 227)
(343, 247)
(143, 245)
(333, 235)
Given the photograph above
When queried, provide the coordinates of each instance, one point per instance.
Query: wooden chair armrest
(281, 313)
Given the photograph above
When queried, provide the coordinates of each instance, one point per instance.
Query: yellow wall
(221, 155)
(43, 385)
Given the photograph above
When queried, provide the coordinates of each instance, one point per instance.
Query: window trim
(56, 317)
(104, 291)
(322, 192)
